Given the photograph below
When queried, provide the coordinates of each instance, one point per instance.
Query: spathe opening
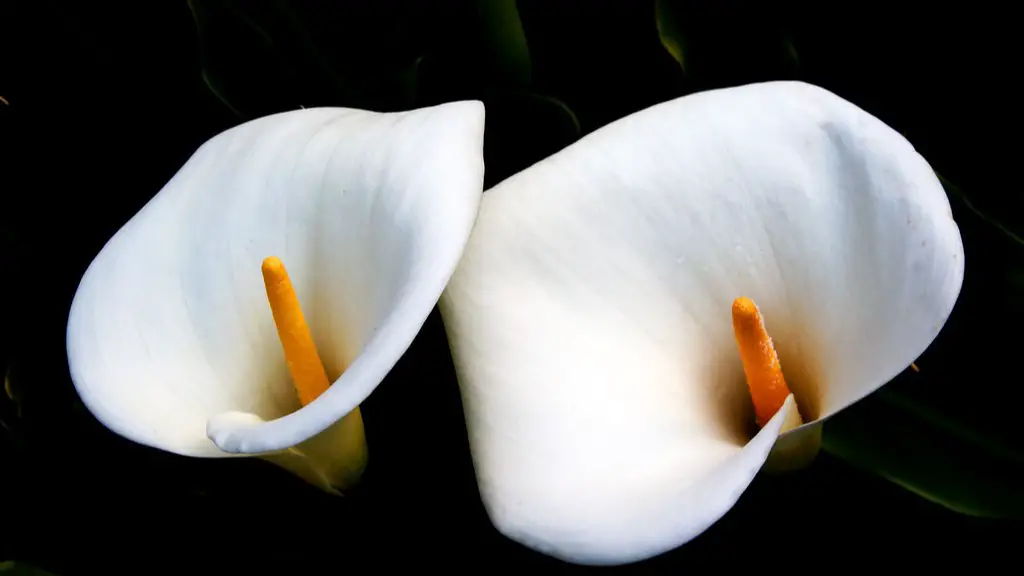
(731, 396)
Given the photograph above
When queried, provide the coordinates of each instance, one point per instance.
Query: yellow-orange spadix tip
(300, 352)
(768, 389)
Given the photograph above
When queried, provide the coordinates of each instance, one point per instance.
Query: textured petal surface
(170, 327)
(590, 316)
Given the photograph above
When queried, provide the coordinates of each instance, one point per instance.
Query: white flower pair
(588, 300)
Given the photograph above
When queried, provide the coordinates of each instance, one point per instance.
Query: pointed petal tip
(472, 112)
(170, 327)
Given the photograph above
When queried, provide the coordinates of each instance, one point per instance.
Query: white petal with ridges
(171, 329)
(590, 316)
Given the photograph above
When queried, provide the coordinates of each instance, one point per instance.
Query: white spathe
(170, 332)
(590, 316)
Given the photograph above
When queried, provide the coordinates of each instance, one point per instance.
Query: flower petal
(590, 315)
(171, 327)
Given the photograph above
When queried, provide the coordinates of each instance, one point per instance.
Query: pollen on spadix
(309, 377)
(768, 389)
(304, 365)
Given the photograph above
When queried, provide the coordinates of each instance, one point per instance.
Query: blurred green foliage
(21, 569)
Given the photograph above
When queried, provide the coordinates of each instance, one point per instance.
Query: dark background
(103, 102)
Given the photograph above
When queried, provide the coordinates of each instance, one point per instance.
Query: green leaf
(10, 409)
(568, 117)
(790, 49)
(11, 393)
(238, 57)
(22, 569)
(956, 193)
(668, 31)
(929, 454)
(264, 57)
(721, 45)
(522, 129)
(949, 433)
(503, 42)
(478, 51)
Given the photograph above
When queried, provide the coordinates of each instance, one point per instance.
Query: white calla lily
(171, 341)
(589, 318)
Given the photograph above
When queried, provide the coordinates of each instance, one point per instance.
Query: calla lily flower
(267, 289)
(624, 306)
